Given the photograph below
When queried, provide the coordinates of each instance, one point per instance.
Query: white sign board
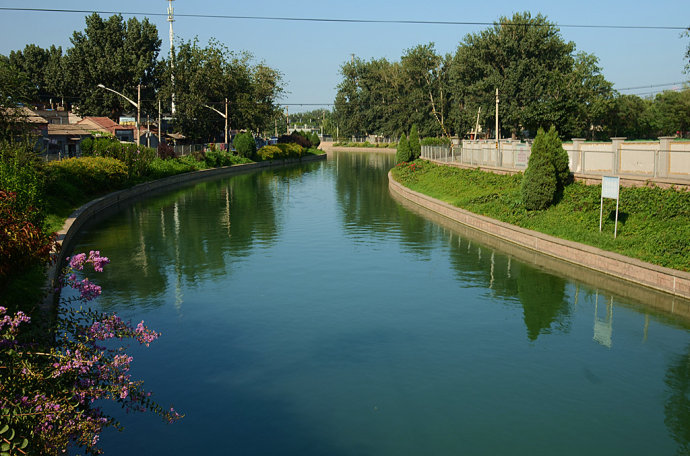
(609, 189)
(610, 186)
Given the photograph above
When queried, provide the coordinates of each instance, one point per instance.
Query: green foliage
(280, 151)
(443, 141)
(86, 146)
(22, 172)
(654, 225)
(210, 74)
(90, 175)
(671, 112)
(290, 150)
(136, 158)
(267, 153)
(403, 153)
(415, 146)
(315, 140)
(539, 184)
(559, 158)
(245, 145)
(23, 243)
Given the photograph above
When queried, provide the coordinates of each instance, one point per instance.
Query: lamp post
(136, 105)
(225, 116)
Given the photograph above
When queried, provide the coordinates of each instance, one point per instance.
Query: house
(62, 140)
(106, 125)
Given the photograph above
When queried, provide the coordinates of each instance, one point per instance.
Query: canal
(304, 311)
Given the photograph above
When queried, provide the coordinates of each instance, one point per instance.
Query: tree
(629, 116)
(539, 181)
(403, 153)
(118, 54)
(415, 146)
(44, 70)
(540, 81)
(671, 112)
(15, 88)
(207, 76)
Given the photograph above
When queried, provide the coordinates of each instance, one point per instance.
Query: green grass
(653, 224)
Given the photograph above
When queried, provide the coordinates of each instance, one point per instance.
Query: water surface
(305, 312)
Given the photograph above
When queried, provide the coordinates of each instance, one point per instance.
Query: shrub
(160, 168)
(290, 150)
(539, 181)
(50, 387)
(559, 158)
(435, 142)
(295, 138)
(166, 151)
(269, 153)
(91, 175)
(415, 147)
(403, 153)
(86, 146)
(22, 242)
(213, 157)
(136, 158)
(244, 145)
(22, 172)
(315, 141)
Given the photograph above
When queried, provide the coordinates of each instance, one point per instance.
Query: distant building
(104, 124)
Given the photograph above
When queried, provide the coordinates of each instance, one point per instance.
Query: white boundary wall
(664, 158)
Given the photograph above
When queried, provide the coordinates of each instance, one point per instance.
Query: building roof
(103, 124)
(69, 130)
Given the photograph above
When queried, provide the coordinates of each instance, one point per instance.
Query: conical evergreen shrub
(403, 153)
(539, 182)
(415, 145)
(559, 158)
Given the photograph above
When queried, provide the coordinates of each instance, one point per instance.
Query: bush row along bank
(653, 226)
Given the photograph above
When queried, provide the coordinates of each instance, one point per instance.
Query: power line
(347, 21)
(654, 85)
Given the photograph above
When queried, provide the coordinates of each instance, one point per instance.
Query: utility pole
(148, 130)
(226, 123)
(287, 120)
(275, 122)
(476, 125)
(160, 125)
(138, 114)
(171, 19)
(496, 118)
(323, 121)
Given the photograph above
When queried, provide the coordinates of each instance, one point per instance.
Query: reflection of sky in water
(304, 311)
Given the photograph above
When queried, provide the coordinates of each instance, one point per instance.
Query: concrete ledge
(667, 280)
(70, 230)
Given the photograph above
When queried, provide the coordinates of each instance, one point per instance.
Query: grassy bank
(653, 223)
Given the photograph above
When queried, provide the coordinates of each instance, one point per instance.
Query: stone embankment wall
(667, 280)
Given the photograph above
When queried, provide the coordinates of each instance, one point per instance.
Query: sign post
(610, 187)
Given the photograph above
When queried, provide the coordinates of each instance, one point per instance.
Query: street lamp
(136, 105)
(225, 116)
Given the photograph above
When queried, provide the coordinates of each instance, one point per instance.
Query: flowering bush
(48, 391)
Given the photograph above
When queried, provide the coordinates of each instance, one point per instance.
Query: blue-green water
(305, 312)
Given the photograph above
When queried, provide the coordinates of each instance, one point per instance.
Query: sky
(309, 54)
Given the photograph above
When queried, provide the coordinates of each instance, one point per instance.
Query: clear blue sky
(309, 54)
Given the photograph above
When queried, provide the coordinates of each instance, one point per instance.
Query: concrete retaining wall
(667, 280)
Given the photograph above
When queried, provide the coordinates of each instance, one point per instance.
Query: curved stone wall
(656, 277)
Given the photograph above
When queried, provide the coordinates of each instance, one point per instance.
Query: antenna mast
(171, 19)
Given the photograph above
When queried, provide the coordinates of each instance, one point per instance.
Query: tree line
(542, 81)
(123, 54)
